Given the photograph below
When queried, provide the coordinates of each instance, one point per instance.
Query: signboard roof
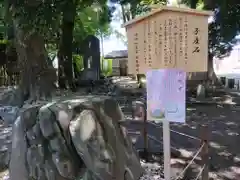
(168, 8)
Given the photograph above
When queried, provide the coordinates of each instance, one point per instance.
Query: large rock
(11, 97)
(18, 169)
(9, 114)
(72, 139)
(5, 141)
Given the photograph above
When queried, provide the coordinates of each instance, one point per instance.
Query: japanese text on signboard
(196, 43)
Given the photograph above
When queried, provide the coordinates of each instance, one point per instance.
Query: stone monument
(91, 59)
(78, 138)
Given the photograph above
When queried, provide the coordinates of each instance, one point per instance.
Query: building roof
(168, 8)
(117, 54)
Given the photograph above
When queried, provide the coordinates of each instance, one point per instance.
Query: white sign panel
(166, 95)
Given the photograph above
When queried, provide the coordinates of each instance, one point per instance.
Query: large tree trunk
(65, 63)
(123, 14)
(36, 76)
(212, 77)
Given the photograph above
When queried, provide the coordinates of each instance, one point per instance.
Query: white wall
(115, 63)
(229, 66)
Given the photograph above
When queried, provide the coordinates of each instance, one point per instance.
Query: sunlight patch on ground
(227, 174)
(231, 173)
(225, 154)
(235, 169)
(217, 133)
(236, 159)
(185, 153)
(77, 101)
(229, 101)
(215, 145)
(232, 133)
(212, 175)
(230, 123)
(191, 109)
(177, 161)
(4, 175)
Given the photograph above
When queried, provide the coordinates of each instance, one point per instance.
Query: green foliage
(106, 66)
(78, 60)
(37, 16)
(4, 41)
(92, 20)
(225, 25)
(133, 8)
(93, 17)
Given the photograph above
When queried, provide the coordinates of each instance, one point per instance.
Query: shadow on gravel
(224, 126)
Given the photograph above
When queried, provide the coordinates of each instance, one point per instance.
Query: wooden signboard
(168, 37)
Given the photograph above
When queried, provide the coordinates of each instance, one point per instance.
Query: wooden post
(205, 152)
(140, 113)
(145, 135)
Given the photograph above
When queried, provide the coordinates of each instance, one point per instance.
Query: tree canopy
(225, 25)
(222, 30)
(58, 26)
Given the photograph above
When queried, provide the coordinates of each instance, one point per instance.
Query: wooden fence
(139, 113)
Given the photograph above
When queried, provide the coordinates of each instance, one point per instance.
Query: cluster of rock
(80, 138)
(107, 87)
(152, 171)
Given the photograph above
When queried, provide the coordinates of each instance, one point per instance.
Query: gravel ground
(4, 175)
(224, 124)
(153, 171)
